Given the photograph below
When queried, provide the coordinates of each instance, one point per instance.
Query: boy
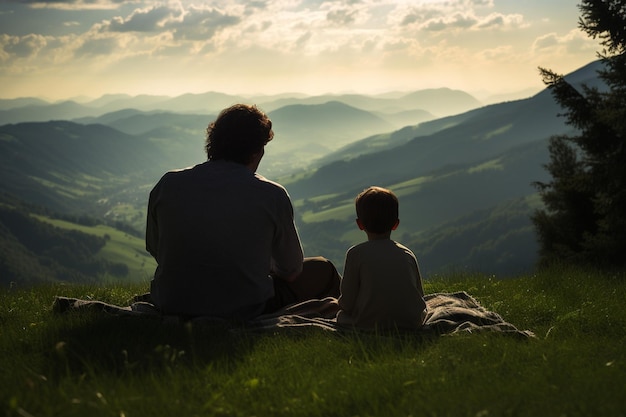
(381, 286)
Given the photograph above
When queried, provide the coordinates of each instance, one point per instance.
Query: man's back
(214, 230)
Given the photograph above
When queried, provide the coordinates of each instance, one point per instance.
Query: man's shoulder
(181, 172)
(263, 179)
(269, 184)
(401, 246)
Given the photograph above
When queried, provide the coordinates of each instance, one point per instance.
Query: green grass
(90, 364)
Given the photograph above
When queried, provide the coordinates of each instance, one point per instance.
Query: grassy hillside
(70, 167)
(38, 246)
(120, 247)
(473, 216)
(77, 365)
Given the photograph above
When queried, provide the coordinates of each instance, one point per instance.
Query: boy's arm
(420, 285)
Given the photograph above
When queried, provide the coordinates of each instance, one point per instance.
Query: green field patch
(353, 236)
(119, 248)
(62, 177)
(381, 141)
(411, 186)
(90, 182)
(8, 138)
(295, 177)
(127, 213)
(339, 212)
(493, 165)
(534, 200)
(324, 197)
(69, 187)
(497, 132)
(320, 198)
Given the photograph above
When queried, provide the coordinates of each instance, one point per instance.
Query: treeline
(34, 251)
(584, 219)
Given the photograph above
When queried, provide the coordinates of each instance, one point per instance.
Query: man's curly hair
(239, 132)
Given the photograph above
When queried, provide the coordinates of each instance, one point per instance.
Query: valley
(464, 177)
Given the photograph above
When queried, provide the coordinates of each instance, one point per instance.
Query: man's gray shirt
(217, 231)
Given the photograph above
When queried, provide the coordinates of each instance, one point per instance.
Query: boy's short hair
(377, 209)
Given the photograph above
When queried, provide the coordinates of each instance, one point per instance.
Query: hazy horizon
(485, 98)
(89, 48)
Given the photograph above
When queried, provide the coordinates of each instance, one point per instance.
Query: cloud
(413, 16)
(501, 21)
(454, 15)
(465, 21)
(479, 3)
(302, 40)
(255, 6)
(202, 24)
(73, 4)
(499, 53)
(572, 42)
(194, 23)
(288, 41)
(142, 20)
(457, 21)
(341, 17)
(546, 41)
(22, 46)
(97, 46)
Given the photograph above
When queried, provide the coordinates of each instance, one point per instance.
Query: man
(224, 237)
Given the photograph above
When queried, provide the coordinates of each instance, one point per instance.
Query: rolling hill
(328, 125)
(454, 180)
(440, 102)
(70, 167)
(467, 138)
(464, 180)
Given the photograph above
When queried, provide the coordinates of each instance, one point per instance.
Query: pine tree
(584, 215)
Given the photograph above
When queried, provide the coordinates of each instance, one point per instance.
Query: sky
(60, 49)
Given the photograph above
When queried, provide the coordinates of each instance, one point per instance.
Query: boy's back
(381, 287)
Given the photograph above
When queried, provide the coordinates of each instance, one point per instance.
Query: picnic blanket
(448, 314)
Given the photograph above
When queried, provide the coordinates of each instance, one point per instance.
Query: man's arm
(287, 254)
(285, 276)
(288, 257)
(152, 229)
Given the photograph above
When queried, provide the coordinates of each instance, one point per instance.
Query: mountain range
(439, 102)
(464, 179)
